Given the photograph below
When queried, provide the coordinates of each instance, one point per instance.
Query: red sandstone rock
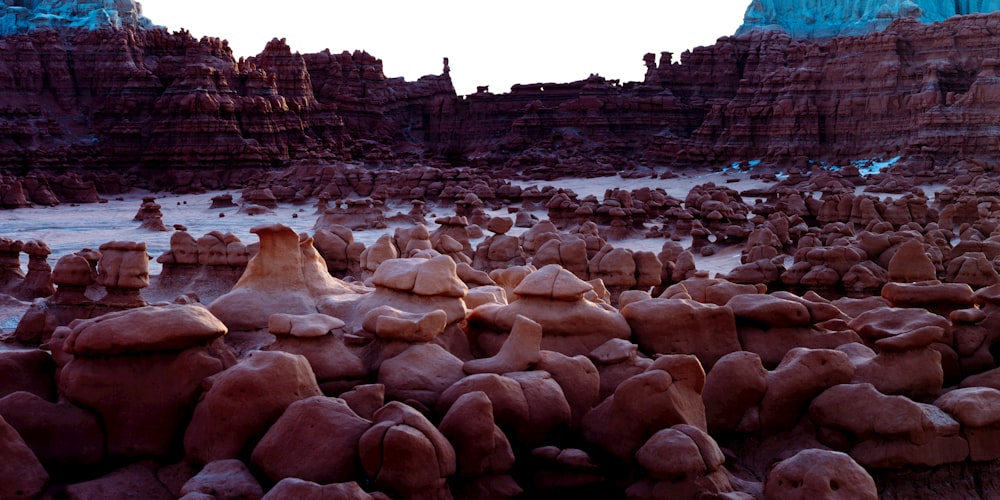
(405, 454)
(24, 475)
(819, 474)
(224, 478)
(315, 439)
(241, 403)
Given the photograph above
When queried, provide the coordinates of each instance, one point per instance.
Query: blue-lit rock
(826, 19)
(18, 16)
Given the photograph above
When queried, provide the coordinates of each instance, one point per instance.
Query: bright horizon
(522, 42)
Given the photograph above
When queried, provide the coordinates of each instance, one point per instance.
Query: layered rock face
(816, 19)
(122, 98)
(188, 116)
(22, 16)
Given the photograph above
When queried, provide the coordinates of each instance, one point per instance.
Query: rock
(308, 490)
(683, 462)
(392, 324)
(286, 276)
(801, 376)
(365, 399)
(224, 479)
(315, 439)
(123, 270)
(705, 330)
(647, 403)
(549, 411)
(889, 431)
(555, 299)
(30, 371)
(975, 408)
(836, 19)
(59, 434)
(519, 352)
(334, 364)
(769, 310)
(114, 359)
(24, 475)
(481, 448)
(144, 330)
(420, 373)
(735, 384)
(307, 326)
(137, 479)
(510, 406)
(405, 454)
(577, 377)
(240, 404)
(911, 264)
(819, 474)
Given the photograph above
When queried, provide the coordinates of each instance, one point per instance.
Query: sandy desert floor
(69, 228)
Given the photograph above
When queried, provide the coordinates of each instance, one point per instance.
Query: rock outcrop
(815, 19)
(190, 116)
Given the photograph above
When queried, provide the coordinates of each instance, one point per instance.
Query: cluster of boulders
(546, 362)
(431, 377)
(50, 190)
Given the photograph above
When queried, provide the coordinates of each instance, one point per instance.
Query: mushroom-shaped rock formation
(72, 276)
(320, 338)
(38, 281)
(977, 409)
(906, 363)
(286, 276)
(557, 300)
(150, 215)
(415, 300)
(208, 266)
(116, 358)
(11, 275)
(123, 271)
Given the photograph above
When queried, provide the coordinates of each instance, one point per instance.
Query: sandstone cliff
(175, 111)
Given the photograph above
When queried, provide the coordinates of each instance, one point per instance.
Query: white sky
(496, 43)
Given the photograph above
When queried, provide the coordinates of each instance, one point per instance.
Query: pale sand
(67, 229)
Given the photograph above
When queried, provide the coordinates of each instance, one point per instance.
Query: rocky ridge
(165, 111)
(815, 19)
